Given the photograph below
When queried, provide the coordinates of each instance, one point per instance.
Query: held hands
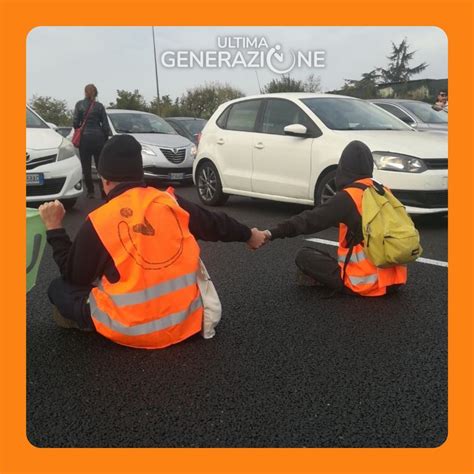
(52, 214)
(258, 238)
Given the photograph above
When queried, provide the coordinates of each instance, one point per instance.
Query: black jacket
(356, 163)
(84, 260)
(97, 122)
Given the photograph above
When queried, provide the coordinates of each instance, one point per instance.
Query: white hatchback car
(286, 147)
(53, 171)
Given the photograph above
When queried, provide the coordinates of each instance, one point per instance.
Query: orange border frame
(455, 18)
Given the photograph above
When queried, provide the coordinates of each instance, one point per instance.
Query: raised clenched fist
(52, 214)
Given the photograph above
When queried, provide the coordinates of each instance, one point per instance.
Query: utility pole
(258, 81)
(156, 73)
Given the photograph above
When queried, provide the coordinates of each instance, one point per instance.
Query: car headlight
(66, 150)
(193, 151)
(394, 162)
(148, 151)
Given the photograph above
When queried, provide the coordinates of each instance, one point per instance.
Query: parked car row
(282, 147)
(53, 170)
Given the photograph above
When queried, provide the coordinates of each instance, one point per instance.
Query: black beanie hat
(121, 159)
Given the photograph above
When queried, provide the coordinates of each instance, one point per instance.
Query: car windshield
(352, 114)
(193, 126)
(426, 113)
(129, 122)
(33, 121)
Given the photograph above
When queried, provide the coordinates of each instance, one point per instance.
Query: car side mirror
(52, 125)
(296, 130)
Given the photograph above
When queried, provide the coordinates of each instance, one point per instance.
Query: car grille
(175, 155)
(164, 172)
(434, 164)
(44, 160)
(424, 199)
(50, 186)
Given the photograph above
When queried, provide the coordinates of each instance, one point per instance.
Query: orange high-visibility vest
(361, 275)
(156, 302)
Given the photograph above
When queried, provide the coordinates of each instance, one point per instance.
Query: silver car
(166, 155)
(417, 114)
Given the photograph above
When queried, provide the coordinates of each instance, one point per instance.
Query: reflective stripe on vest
(363, 280)
(153, 292)
(144, 328)
(355, 257)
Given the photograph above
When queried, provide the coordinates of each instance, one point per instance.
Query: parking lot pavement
(288, 367)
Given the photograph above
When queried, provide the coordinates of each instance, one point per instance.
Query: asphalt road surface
(287, 368)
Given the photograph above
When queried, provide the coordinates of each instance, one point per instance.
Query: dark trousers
(90, 147)
(324, 268)
(71, 301)
(320, 266)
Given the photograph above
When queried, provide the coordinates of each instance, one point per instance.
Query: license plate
(176, 175)
(34, 179)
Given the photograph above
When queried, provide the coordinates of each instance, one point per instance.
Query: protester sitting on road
(130, 273)
(441, 101)
(316, 267)
(90, 114)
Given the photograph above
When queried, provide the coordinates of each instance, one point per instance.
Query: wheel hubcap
(207, 183)
(329, 190)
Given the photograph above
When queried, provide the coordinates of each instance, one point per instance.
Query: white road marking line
(428, 261)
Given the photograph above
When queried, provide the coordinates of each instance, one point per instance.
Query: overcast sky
(61, 60)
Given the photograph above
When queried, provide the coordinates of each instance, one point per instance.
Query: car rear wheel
(209, 185)
(326, 188)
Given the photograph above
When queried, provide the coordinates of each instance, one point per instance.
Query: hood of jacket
(356, 162)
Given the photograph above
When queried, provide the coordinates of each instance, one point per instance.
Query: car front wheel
(209, 185)
(326, 188)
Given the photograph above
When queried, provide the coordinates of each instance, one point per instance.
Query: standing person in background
(94, 134)
(441, 101)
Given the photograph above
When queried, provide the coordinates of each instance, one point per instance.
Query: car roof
(397, 101)
(119, 111)
(293, 95)
(184, 118)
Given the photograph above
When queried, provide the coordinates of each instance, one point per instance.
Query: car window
(129, 122)
(280, 113)
(397, 112)
(242, 116)
(426, 113)
(193, 126)
(33, 121)
(352, 114)
(223, 117)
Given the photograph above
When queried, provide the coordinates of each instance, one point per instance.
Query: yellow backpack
(390, 236)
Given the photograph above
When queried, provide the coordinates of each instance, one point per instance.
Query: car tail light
(198, 138)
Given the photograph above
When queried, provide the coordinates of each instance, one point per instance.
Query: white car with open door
(53, 171)
(286, 147)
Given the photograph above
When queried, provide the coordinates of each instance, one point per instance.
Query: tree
(283, 84)
(166, 107)
(52, 110)
(312, 84)
(287, 84)
(398, 70)
(129, 100)
(202, 101)
(364, 88)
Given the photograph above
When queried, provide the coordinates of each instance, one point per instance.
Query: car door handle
(259, 145)
(220, 141)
